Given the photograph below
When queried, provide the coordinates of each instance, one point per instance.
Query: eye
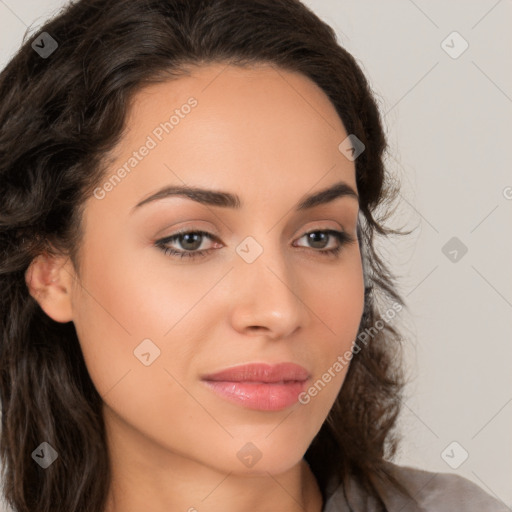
(191, 241)
(319, 237)
(188, 240)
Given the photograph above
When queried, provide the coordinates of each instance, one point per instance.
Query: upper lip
(261, 372)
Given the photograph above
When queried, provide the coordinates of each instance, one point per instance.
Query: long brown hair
(60, 115)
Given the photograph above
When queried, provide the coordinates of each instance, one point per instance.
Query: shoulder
(436, 492)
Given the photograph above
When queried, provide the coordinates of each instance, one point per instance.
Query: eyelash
(342, 237)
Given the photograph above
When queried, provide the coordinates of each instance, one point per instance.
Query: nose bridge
(267, 294)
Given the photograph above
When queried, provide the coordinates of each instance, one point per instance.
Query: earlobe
(49, 282)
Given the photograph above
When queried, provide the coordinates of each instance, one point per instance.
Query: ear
(49, 280)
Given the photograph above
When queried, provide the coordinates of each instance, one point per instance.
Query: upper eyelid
(214, 237)
(212, 232)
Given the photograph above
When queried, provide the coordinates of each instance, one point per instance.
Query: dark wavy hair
(60, 117)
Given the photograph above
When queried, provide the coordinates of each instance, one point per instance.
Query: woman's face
(151, 324)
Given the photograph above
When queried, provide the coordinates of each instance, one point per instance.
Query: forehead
(257, 128)
(246, 86)
(262, 103)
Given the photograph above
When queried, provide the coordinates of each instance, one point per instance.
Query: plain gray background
(447, 114)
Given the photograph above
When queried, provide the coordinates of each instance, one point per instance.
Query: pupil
(193, 235)
(313, 236)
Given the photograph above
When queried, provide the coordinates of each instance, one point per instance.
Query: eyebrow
(229, 200)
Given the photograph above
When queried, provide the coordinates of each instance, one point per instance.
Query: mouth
(260, 386)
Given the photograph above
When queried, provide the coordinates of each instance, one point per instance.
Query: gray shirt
(432, 492)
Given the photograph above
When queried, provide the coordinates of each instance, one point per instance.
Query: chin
(272, 455)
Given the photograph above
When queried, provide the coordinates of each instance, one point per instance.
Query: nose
(266, 297)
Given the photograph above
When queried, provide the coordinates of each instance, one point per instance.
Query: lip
(260, 386)
(260, 372)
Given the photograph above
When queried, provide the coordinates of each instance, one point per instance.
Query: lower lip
(260, 396)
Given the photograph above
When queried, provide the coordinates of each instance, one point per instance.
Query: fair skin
(271, 138)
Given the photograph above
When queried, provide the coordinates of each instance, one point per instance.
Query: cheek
(341, 305)
(116, 309)
(124, 311)
(133, 303)
(339, 309)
